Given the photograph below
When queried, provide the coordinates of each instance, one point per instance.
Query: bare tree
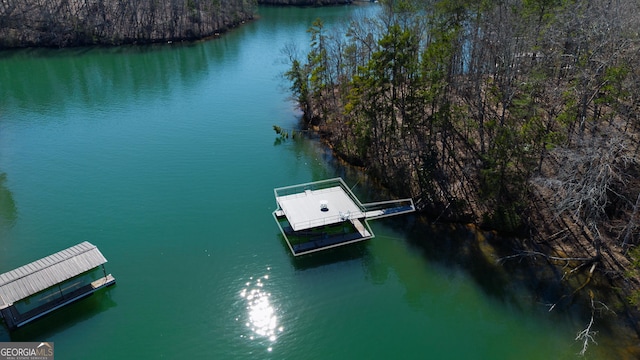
(84, 22)
(590, 177)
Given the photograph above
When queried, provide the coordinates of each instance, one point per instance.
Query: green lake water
(165, 158)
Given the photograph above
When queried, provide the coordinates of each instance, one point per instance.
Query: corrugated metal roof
(34, 277)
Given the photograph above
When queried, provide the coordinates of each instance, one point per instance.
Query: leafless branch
(549, 257)
(586, 335)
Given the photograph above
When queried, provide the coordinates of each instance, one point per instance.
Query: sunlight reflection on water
(262, 319)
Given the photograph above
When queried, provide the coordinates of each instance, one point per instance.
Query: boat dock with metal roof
(43, 286)
(324, 214)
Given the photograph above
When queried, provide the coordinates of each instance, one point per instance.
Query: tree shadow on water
(525, 283)
(464, 248)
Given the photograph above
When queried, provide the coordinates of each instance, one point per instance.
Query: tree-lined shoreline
(71, 23)
(67, 23)
(518, 116)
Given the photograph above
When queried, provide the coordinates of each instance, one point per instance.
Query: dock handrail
(308, 223)
(329, 220)
(295, 190)
(380, 209)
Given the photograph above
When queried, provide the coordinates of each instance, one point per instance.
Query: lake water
(165, 158)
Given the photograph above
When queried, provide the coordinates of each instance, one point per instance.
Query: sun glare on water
(262, 319)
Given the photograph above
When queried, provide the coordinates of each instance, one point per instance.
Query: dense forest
(304, 2)
(61, 23)
(520, 116)
(66, 23)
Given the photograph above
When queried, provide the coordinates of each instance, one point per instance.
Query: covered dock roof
(39, 275)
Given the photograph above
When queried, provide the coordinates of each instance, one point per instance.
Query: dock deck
(325, 214)
(304, 209)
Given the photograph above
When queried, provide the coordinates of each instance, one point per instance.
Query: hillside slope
(61, 23)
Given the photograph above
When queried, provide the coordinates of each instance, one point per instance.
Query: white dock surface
(304, 212)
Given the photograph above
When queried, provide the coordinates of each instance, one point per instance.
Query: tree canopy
(518, 115)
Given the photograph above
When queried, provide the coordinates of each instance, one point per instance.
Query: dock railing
(367, 211)
(315, 186)
(329, 220)
(300, 190)
(382, 209)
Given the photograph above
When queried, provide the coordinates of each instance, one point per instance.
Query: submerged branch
(548, 257)
(587, 335)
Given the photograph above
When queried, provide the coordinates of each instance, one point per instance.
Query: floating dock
(43, 286)
(324, 214)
